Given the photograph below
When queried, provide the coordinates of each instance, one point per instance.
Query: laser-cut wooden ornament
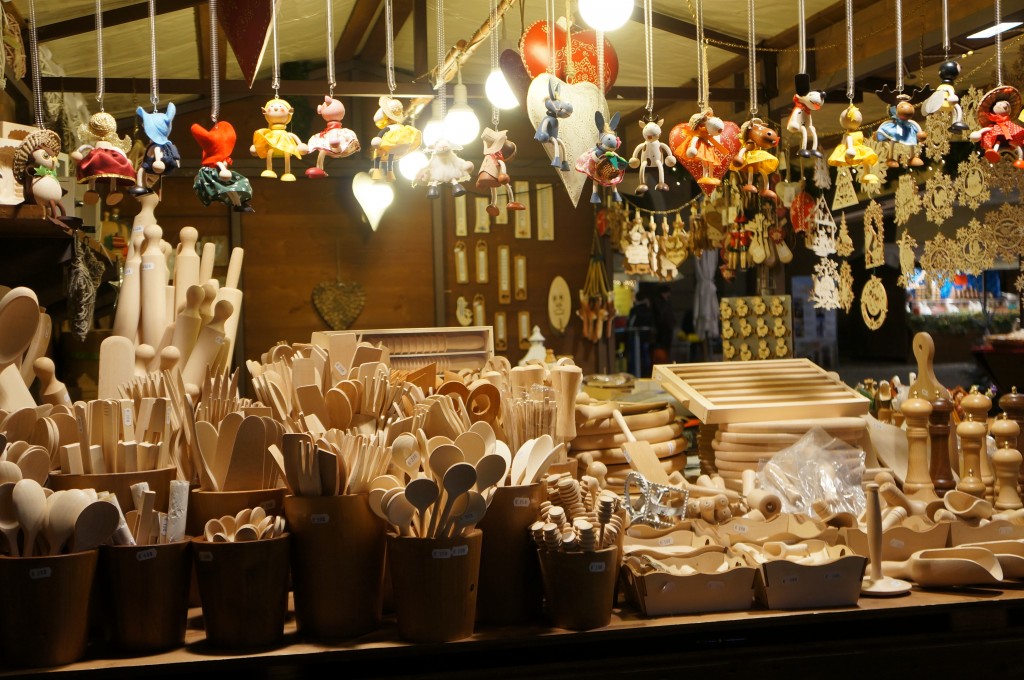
(874, 236)
(824, 288)
(976, 251)
(822, 179)
(906, 244)
(972, 188)
(638, 251)
(824, 239)
(938, 260)
(844, 243)
(874, 303)
(846, 195)
(1018, 284)
(846, 286)
(938, 198)
(1003, 177)
(1006, 224)
(908, 200)
(969, 104)
(936, 144)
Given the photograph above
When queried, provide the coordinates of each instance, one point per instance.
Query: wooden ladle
(458, 479)
(95, 524)
(948, 567)
(30, 504)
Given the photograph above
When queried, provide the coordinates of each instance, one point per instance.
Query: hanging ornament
(944, 100)
(638, 260)
(802, 212)
(901, 128)
(675, 242)
(845, 195)
(591, 53)
(652, 152)
(852, 151)
(822, 179)
(276, 139)
(1003, 177)
(35, 165)
(940, 259)
(976, 251)
(395, 139)
(216, 181)
(998, 111)
(556, 109)
(824, 284)
(972, 189)
(597, 303)
(844, 244)
(908, 200)
(823, 241)
(758, 139)
(846, 295)
(493, 175)
(906, 244)
(444, 167)
(806, 101)
(1018, 283)
(1006, 225)
(874, 236)
(602, 163)
(970, 103)
(874, 303)
(938, 198)
(737, 244)
(937, 143)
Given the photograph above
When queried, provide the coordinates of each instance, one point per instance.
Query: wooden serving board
(759, 391)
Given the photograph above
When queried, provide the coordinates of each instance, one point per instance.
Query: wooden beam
(229, 88)
(684, 29)
(376, 43)
(111, 17)
(419, 37)
(358, 23)
(667, 94)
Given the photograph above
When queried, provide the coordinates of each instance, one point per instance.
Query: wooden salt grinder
(1013, 406)
(978, 405)
(972, 438)
(918, 483)
(938, 430)
(1006, 460)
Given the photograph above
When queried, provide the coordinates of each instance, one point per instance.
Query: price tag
(666, 540)
(740, 528)
(1005, 531)
(895, 543)
(127, 414)
(596, 567)
(833, 576)
(790, 580)
(145, 555)
(128, 271)
(441, 553)
(460, 551)
(413, 460)
(40, 573)
(342, 371)
(269, 506)
(205, 556)
(521, 502)
(146, 266)
(320, 518)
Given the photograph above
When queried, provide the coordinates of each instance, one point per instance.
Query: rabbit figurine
(602, 164)
(652, 152)
(547, 131)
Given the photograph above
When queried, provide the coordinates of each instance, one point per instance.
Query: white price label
(460, 551)
(127, 417)
(521, 502)
(596, 567)
(342, 371)
(320, 518)
(219, 339)
(145, 555)
(1005, 531)
(666, 540)
(895, 543)
(413, 460)
(146, 266)
(205, 556)
(40, 572)
(441, 553)
(740, 528)
(128, 271)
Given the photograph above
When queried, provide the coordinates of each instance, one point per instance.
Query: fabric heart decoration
(729, 138)
(533, 46)
(578, 131)
(801, 213)
(339, 303)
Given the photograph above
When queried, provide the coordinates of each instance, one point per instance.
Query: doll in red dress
(103, 155)
(996, 115)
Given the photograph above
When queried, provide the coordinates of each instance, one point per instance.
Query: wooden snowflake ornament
(874, 236)
(938, 198)
(874, 303)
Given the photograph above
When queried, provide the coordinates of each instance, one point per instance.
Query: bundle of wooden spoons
(251, 524)
(34, 521)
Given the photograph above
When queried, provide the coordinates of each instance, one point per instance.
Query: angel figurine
(161, 156)
(945, 97)
(996, 114)
(493, 172)
(602, 164)
(216, 181)
(756, 156)
(35, 163)
(445, 167)
(805, 102)
(394, 139)
(700, 140)
(904, 129)
(652, 152)
(334, 140)
(276, 139)
(103, 155)
(853, 151)
(547, 131)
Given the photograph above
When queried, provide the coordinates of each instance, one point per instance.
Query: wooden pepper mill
(1013, 406)
(1006, 460)
(972, 439)
(938, 430)
(978, 405)
(918, 483)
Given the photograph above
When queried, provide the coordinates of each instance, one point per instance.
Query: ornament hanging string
(899, 46)
(330, 47)
(37, 86)
(945, 28)
(801, 29)
(495, 112)
(702, 72)
(570, 65)
(100, 83)
(850, 83)
(442, 49)
(214, 64)
(648, 54)
(276, 81)
(154, 82)
(549, 22)
(999, 44)
(751, 56)
(389, 45)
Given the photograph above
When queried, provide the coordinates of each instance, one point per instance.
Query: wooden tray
(759, 391)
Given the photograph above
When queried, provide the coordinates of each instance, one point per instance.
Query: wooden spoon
(476, 508)
(19, 318)
(401, 512)
(30, 504)
(405, 454)
(246, 532)
(96, 523)
(490, 470)
(9, 472)
(62, 512)
(339, 409)
(486, 432)
(520, 460)
(212, 528)
(422, 493)
(35, 464)
(442, 458)
(540, 461)
(472, 445)
(458, 479)
(9, 525)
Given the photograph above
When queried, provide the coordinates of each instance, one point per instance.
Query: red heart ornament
(801, 213)
(729, 138)
(533, 46)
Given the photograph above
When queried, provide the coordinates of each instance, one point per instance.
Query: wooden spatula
(245, 468)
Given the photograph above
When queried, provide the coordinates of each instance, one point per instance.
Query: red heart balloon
(730, 139)
(533, 46)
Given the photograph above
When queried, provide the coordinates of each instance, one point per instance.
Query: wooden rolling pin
(231, 292)
(126, 318)
(186, 266)
(154, 282)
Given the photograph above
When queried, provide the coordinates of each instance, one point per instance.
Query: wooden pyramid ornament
(822, 179)
(846, 286)
(824, 241)
(874, 303)
(844, 245)
(908, 201)
(846, 194)
(824, 284)
(938, 198)
(874, 236)
(906, 244)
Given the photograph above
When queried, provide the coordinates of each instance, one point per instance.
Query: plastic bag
(817, 467)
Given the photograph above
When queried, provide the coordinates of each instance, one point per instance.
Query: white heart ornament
(578, 131)
(373, 197)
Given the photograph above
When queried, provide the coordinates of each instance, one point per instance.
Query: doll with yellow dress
(276, 139)
(853, 151)
(395, 139)
(755, 156)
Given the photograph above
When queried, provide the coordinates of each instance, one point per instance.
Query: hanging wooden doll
(35, 165)
(755, 156)
(277, 140)
(334, 140)
(547, 132)
(738, 244)
(161, 157)
(445, 167)
(805, 102)
(700, 139)
(103, 155)
(999, 131)
(394, 139)
(216, 181)
(945, 98)
(903, 129)
(652, 152)
(493, 175)
(852, 151)
(602, 163)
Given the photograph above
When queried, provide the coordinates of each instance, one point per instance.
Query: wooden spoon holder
(337, 553)
(580, 587)
(119, 484)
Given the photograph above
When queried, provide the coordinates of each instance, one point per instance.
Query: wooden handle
(617, 415)
(206, 261)
(874, 530)
(234, 268)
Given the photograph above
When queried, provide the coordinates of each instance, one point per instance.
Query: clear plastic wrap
(817, 467)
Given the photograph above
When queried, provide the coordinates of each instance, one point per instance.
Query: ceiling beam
(376, 42)
(684, 29)
(111, 17)
(358, 23)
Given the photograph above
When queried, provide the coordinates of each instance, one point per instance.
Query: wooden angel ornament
(852, 151)
(35, 164)
(394, 140)
(103, 155)
(277, 140)
(699, 141)
(602, 164)
(216, 181)
(805, 102)
(445, 167)
(493, 175)
(652, 152)
(997, 115)
(162, 157)
(903, 129)
(335, 140)
(755, 156)
(547, 132)
(945, 98)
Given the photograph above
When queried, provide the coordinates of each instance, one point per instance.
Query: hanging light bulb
(432, 131)
(461, 124)
(606, 15)
(373, 197)
(499, 92)
(411, 164)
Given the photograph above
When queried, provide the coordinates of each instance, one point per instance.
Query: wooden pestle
(1013, 406)
(978, 405)
(938, 431)
(186, 266)
(51, 390)
(918, 483)
(972, 439)
(1007, 460)
(154, 283)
